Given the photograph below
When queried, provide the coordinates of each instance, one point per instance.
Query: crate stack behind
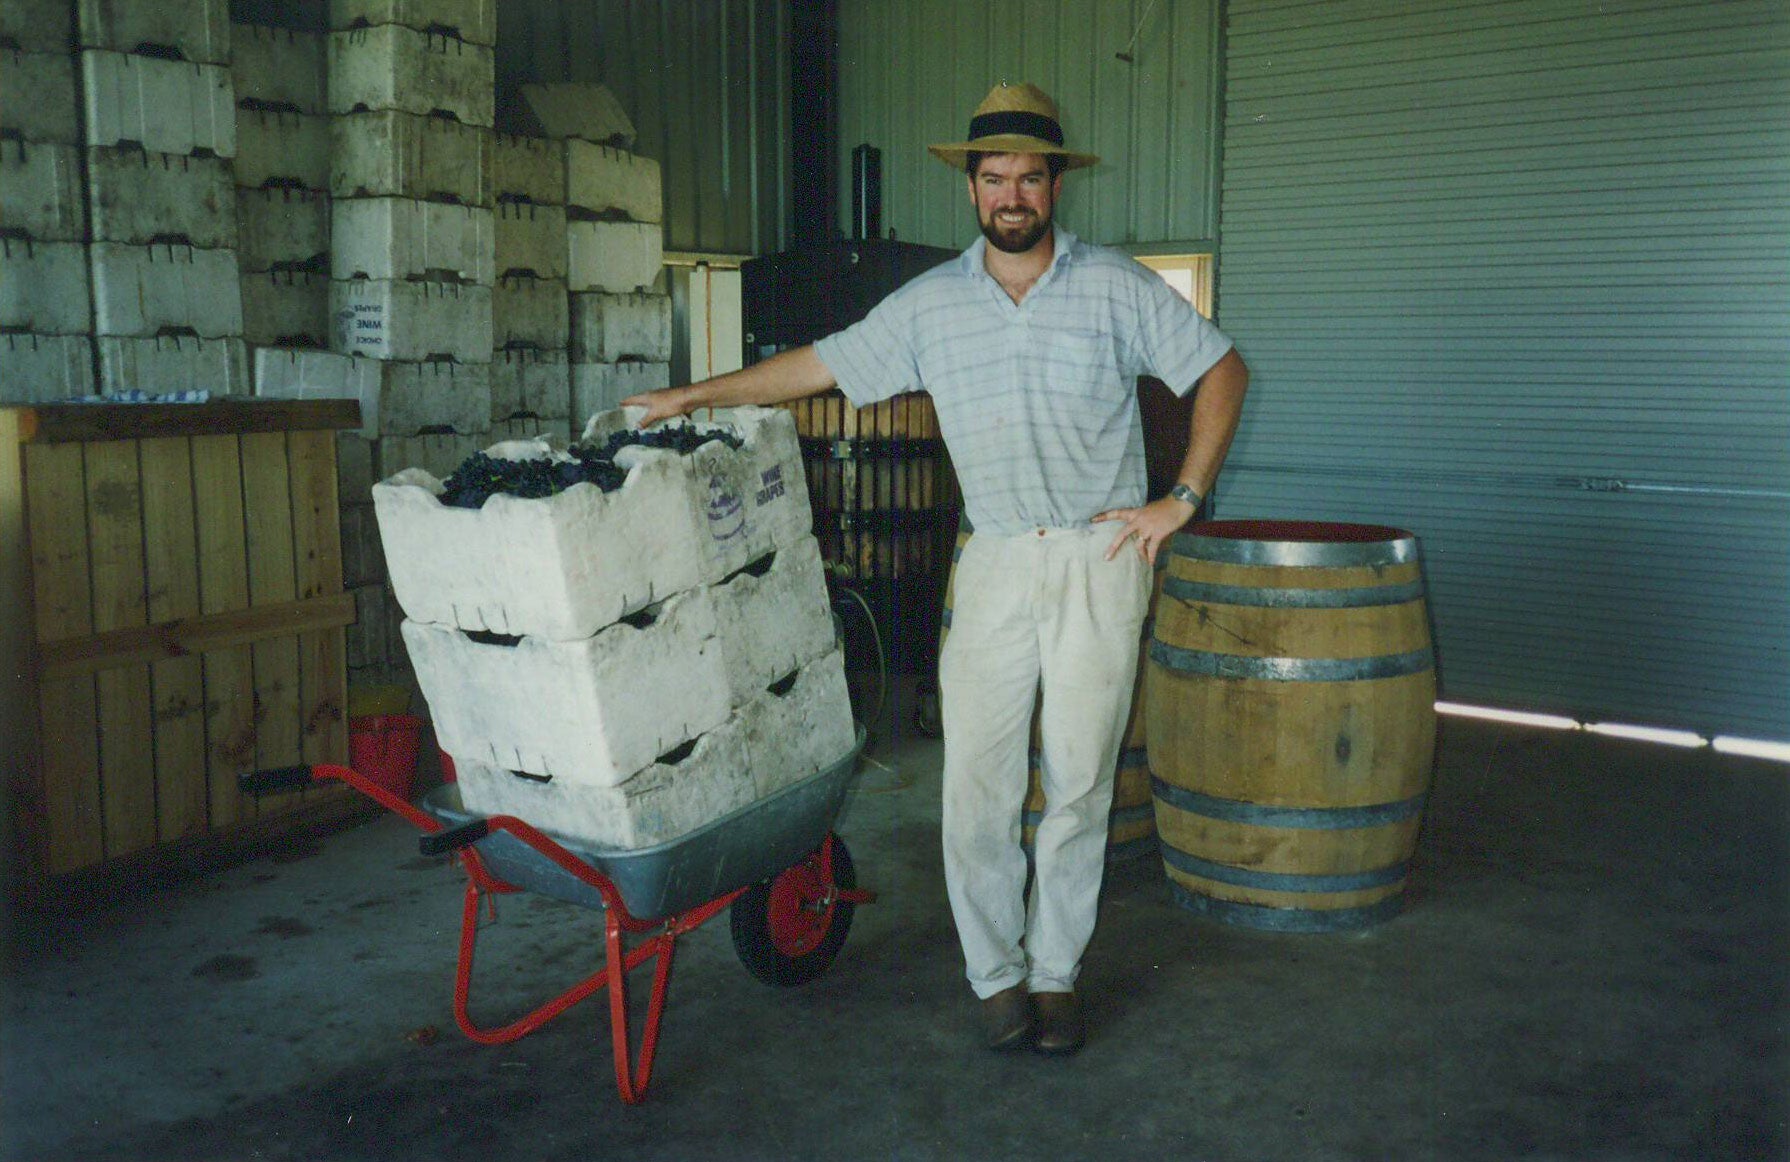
(160, 129)
(620, 311)
(620, 666)
(46, 314)
(282, 186)
(530, 372)
(411, 88)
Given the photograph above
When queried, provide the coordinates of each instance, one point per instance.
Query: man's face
(1014, 197)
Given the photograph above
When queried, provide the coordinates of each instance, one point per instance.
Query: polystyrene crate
(530, 381)
(282, 149)
(37, 25)
(438, 453)
(530, 169)
(601, 387)
(800, 725)
(140, 197)
(44, 368)
(354, 457)
(282, 228)
(383, 153)
(388, 66)
(583, 109)
(619, 257)
(774, 618)
(398, 399)
(560, 567)
(566, 565)
(692, 787)
(591, 711)
(167, 363)
(39, 100)
(279, 68)
(286, 308)
(199, 30)
(307, 373)
(44, 287)
(402, 238)
(437, 394)
(40, 191)
(609, 183)
(531, 239)
(529, 312)
(743, 502)
(608, 328)
(411, 321)
(164, 106)
(151, 290)
(471, 20)
(362, 561)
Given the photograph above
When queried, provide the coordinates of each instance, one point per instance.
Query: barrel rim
(1294, 542)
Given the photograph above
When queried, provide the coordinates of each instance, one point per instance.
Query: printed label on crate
(772, 479)
(362, 325)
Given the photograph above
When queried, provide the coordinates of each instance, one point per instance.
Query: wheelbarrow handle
(454, 838)
(274, 779)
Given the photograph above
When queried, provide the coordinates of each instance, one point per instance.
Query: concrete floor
(1592, 966)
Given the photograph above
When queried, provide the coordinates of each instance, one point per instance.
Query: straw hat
(1013, 119)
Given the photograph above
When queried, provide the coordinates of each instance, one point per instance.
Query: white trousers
(1039, 609)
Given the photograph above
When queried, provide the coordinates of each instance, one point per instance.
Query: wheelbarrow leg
(630, 1079)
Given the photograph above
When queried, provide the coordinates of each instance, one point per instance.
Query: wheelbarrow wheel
(787, 929)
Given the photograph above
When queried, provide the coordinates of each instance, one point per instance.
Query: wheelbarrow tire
(784, 929)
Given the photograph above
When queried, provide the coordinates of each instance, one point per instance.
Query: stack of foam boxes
(620, 312)
(46, 315)
(282, 180)
(411, 91)
(621, 668)
(530, 376)
(161, 135)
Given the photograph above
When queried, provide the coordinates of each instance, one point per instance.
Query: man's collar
(974, 259)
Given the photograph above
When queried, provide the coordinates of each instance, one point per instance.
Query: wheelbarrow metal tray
(753, 843)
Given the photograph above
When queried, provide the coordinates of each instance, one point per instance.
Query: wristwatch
(1185, 494)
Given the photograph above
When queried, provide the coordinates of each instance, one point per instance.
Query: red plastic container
(383, 747)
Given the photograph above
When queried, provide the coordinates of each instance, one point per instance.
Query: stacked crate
(622, 667)
(160, 129)
(282, 180)
(46, 316)
(411, 92)
(620, 312)
(530, 377)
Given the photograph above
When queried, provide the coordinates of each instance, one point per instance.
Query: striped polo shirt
(1037, 401)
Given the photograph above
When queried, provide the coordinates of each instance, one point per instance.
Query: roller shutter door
(1516, 276)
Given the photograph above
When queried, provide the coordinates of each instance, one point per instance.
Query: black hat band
(1016, 121)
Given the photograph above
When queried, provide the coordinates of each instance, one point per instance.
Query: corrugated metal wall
(706, 82)
(912, 71)
(1516, 276)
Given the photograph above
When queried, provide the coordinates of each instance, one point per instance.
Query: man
(1030, 344)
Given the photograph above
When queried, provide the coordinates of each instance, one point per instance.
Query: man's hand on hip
(1149, 527)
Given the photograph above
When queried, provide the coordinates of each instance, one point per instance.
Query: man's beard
(1015, 239)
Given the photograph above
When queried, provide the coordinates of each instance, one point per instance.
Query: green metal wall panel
(706, 85)
(911, 72)
(1517, 276)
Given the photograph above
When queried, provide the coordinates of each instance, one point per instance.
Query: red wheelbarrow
(776, 863)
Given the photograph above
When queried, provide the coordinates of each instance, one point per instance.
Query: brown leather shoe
(1061, 1030)
(1007, 1018)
